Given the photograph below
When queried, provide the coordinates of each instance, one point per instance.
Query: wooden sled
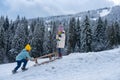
(52, 56)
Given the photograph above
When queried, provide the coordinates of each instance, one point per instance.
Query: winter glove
(59, 35)
(58, 39)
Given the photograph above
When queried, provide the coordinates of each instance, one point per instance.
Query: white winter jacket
(60, 40)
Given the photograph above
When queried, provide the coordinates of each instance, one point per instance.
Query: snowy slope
(104, 13)
(103, 65)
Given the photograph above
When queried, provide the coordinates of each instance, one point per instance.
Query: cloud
(42, 8)
(116, 2)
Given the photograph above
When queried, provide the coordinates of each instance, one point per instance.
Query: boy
(23, 57)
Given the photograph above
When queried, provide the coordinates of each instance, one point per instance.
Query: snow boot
(24, 69)
(59, 56)
(13, 71)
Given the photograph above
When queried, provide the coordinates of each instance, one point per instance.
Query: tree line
(81, 36)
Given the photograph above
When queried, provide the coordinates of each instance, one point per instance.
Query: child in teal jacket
(23, 57)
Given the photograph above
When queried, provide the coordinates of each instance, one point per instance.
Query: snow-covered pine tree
(112, 36)
(6, 24)
(117, 33)
(10, 38)
(71, 36)
(54, 31)
(45, 44)
(49, 40)
(2, 49)
(78, 36)
(6, 40)
(15, 23)
(38, 39)
(20, 38)
(106, 41)
(32, 25)
(50, 37)
(99, 35)
(86, 36)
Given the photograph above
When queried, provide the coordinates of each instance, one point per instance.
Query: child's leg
(60, 55)
(59, 52)
(18, 65)
(24, 63)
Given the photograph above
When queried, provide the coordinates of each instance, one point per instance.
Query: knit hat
(28, 47)
(60, 28)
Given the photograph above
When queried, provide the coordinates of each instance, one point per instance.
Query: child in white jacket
(60, 41)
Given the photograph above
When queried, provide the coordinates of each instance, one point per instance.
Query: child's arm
(29, 57)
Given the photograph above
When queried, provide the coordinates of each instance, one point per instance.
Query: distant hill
(109, 13)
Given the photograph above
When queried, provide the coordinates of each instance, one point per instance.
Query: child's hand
(58, 39)
(35, 59)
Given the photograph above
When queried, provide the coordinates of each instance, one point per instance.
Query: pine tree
(6, 39)
(78, 36)
(106, 40)
(1, 44)
(6, 24)
(38, 39)
(12, 33)
(72, 36)
(50, 41)
(50, 38)
(99, 35)
(117, 33)
(87, 36)
(10, 38)
(54, 31)
(112, 36)
(20, 38)
(15, 23)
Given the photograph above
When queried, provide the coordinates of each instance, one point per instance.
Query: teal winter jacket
(23, 55)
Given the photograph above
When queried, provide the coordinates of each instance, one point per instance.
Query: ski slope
(104, 12)
(103, 65)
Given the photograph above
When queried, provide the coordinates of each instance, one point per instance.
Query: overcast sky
(43, 8)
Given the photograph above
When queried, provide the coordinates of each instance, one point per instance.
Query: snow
(76, 18)
(49, 28)
(103, 65)
(104, 12)
(28, 26)
(94, 19)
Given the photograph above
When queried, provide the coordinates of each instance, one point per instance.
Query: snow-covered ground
(103, 65)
